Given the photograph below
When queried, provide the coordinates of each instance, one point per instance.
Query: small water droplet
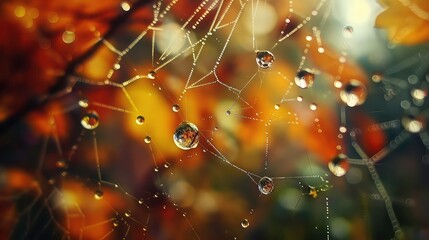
(313, 106)
(140, 120)
(90, 120)
(265, 185)
(176, 108)
(264, 59)
(245, 223)
(151, 75)
(147, 139)
(83, 103)
(98, 194)
(127, 213)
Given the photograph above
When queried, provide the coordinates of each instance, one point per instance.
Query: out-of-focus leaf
(407, 22)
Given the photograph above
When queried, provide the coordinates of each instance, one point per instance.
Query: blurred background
(334, 116)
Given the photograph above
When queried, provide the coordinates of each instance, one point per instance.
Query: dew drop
(277, 106)
(127, 213)
(90, 120)
(115, 223)
(339, 165)
(228, 112)
(245, 223)
(321, 50)
(186, 136)
(347, 31)
(68, 36)
(117, 66)
(141, 201)
(304, 78)
(299, 98)
(61, 164)
(98, 194)
(176, 108)
(343, 129)
(264, 59)
(125, 6)
(418, 94)
(140, 120)
(265, 185)
(151, 75)
(377, 77)
(313, 106)
(83, 103)
(353, 93)
(147, 139)
(413, 123)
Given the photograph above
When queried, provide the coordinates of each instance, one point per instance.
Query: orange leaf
(407, 22)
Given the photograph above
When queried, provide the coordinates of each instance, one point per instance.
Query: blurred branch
(61, 82)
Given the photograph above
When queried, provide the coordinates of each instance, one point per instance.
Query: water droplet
(339, 165)
(347, 31)
(117, 66)
(418, 94)
(264, 59)
(353, 93)
(98, 194)
(321, 50)
(125, 6)
(127, 213)
(115, 223)
(90, 120)
(413, 123)
(313, 106)
(141, 201)
(304, 78)
(245, 223)
(266, 185)
(186, 136)
(277, 106)
(176, 108)
(62, 164)
(377, 77)
(68, 36)
(151, 75)
(140, 120)
(299, 98)
(83, 103)
(343, 129)
(147, 139)
(228, 112)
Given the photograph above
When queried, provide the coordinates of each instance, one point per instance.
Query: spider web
(195, 62)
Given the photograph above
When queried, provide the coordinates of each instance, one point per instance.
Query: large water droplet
(353, 93)
(266, 185)
(186, 136)
(90, 120)
(264, 59)
(339, 166)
